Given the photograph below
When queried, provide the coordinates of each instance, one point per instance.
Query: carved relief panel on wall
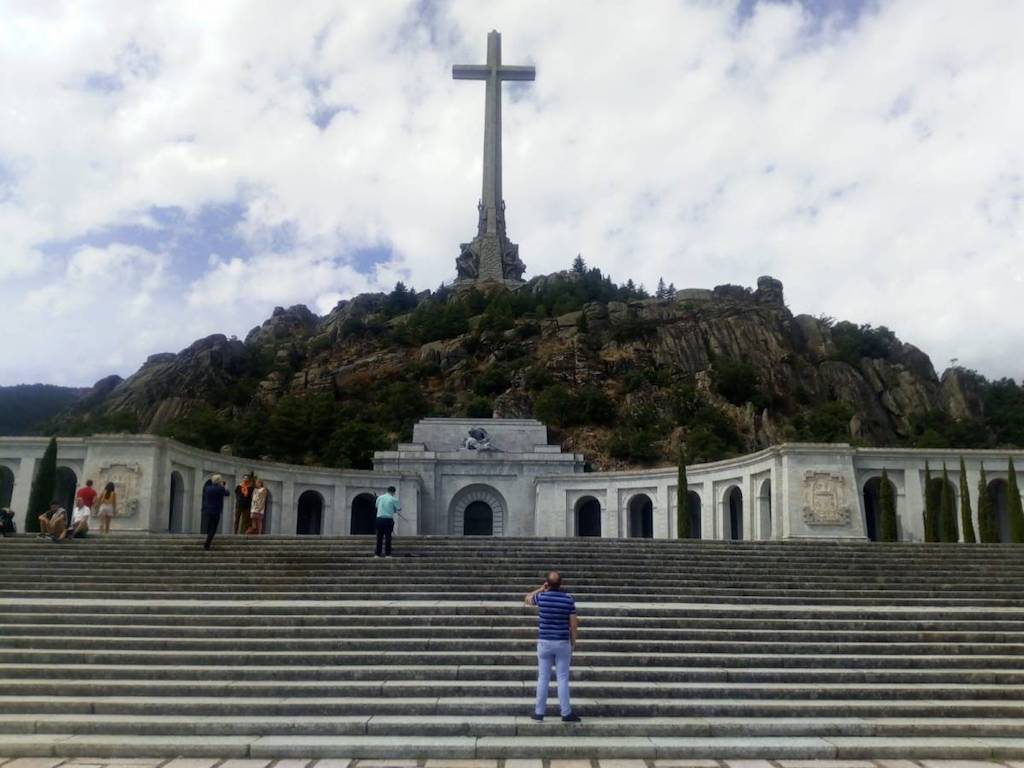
(826, 499)
(127, 480)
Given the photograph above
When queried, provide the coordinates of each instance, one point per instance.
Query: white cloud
(875, 168)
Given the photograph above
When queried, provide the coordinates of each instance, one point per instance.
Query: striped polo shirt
(554, 608)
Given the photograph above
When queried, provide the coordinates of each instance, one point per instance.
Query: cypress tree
(887, 527)
(1014, 508)
(44, 484)
(947, 516)
(931, 507)
(986, 520)
(966, 518)
(682, 500)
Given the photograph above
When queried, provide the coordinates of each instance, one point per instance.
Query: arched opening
(873, 508)
(364, 515)
(478, 519)
(64, 489)
(588, 517)
(934, 492)
(641, 517)
(693, 504)
(175, 514)
(998, 491)
(310, 514)
(733, 513)
(477, 510)
(764, 508)
(6, 486)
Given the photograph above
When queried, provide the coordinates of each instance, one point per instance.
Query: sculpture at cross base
(491, 255)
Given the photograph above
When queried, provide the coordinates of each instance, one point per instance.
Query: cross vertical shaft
(491, 255)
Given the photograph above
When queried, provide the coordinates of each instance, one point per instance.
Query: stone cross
(491, 255)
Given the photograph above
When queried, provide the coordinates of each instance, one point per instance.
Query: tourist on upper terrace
(79, 521)
(7, 526)
(213, 506)
(53, 523)
(258, 509)
(243, 505)
(87, 494)
(387, 507)
(107, 507)
(557, 628)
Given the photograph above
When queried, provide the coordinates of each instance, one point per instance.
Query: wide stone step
(525, 673)
(465, 705)
(257, 725)
(374, 657)
(510, 688)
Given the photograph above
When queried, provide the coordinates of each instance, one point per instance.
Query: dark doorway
(478, 519)
(588, 517)
(175, 521)
(693, 504)
(364, 515)
(734, 516)
(998, 491)
(641, 517)
(310, 514)
(6, 486)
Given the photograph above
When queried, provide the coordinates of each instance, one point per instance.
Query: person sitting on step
(52, 523)
(79, 521)
(558, 624)
(7, 525)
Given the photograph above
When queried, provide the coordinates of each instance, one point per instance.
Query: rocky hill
(625, 378)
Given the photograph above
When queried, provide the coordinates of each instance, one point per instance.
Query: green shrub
(44, 485)
(736, 381)
(554, 406)
(966, 518)
(888, 529)
(988, 526)
(947, 516)
(1014, 508)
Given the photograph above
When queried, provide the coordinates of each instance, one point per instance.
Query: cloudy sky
(174, 169)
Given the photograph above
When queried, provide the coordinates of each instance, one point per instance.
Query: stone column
(285, 520)
(912, 514)
(23, 489)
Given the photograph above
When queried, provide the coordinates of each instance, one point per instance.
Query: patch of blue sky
(843, 12)
(365, 260)
(190, 240)
(102, 82)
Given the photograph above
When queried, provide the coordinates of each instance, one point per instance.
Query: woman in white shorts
(259, 508)
(106, 506)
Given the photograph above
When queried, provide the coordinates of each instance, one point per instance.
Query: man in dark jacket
(213, 506)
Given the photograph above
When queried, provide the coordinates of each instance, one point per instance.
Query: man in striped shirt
(557, 624)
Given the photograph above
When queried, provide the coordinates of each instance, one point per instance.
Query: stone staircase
(309, 647)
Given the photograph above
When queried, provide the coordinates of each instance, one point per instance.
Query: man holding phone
(557, 628)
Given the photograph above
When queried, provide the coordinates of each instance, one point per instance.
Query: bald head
(554, 580)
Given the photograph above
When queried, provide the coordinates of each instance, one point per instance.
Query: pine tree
(670, 292)
(986, 518)
(947, 515)
(931, 506)
(682, 500)
(579, 266)
(44, 484)
(887, 525)
(661, 292)
(582, 324)
(966, 518)
(1014, 509)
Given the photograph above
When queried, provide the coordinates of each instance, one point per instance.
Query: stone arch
(732, 513)
(999, 493)
(309, 514)
(482, 499)
(364, 515)
(872, 494)
(176, 506)
(640, 510)
(587, 516)
(693, 504)
(6, 486)
(64, 489)
(764, 510)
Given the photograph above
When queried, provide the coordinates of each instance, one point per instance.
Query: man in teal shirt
(387, 507)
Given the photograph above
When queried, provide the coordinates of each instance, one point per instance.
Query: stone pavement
(126, 762)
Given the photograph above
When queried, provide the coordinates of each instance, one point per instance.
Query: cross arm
(470, 72)
(517, 73)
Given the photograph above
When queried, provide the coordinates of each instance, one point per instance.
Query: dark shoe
(572, 717)
(538, 718)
